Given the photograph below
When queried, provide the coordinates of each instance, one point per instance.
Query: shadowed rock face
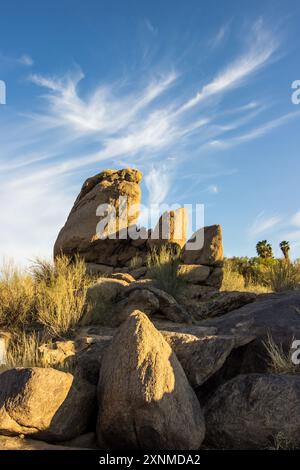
(254, 411)
(45, 404)
(145, 400)
(79, 233)
(211, 253)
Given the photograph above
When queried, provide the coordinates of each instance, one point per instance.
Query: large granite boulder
(277, 314)
(145, 400)
(81, 231)
(44, 403)
(211, 253)
(202, 357)
(255, 412)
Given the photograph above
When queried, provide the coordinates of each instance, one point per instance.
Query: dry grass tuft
(17, 297)
(23, 351)
(279, 361)
(163, 263)
(283, 276)
(61, 295)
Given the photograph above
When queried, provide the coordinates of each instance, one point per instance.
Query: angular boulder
(211, 253)
(145, 400)
(44, 403)
(101, 298)
(255, 411)
(200, 357)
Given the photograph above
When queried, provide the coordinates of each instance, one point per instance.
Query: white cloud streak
(148, 125)
(263, 224)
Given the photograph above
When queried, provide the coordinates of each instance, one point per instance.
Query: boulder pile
(159, 385)
(110, 241)
(151, 369)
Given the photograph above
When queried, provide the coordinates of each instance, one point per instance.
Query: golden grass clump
(17, 297)
(284, 275)
(280, 362)
(163, 263)
(61, 294)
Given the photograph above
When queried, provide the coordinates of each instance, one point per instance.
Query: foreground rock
(255, 412)
(201, 358)
(145, 400)
(278, 314)
(45, 404)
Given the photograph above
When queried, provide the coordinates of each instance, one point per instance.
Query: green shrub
(232, 279)
(241, 274)
(283, 275)
(163, 263)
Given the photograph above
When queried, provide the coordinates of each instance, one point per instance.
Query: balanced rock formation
(255, 411)
(109, 239)
(145, 400)
(99, 211)
(45, 404)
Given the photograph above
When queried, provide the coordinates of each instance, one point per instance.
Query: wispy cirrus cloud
(263, 224)
(220, 36)
(150, 123)
(255, 133)
(263, 47)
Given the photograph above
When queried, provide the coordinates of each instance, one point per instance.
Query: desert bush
(236, 277)
(23, 351)
(283, 275)
(17, 297)
(163, 263)
(61, 295)
(232, 279)
(280, 362)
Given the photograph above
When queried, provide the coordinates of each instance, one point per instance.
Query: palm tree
(264, 249)
(285, 248)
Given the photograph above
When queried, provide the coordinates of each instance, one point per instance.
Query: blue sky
(196, 94)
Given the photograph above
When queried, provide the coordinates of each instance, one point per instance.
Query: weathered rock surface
(277, 314)
(82, 355)
(45, 404)
(79, 235)
(254, 412)
(137, 299)
(211, 253)
(200, 357)
(221, 304)
(194, 273)
(101, 300)
(17, 443)
(145, 400)
(168, 306)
